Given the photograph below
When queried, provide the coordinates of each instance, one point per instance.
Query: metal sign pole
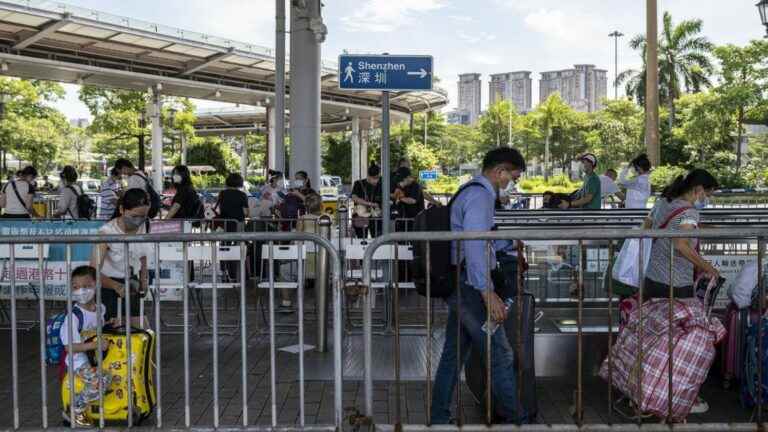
(385, 213)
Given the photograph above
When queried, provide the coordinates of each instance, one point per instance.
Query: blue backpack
(54, 348)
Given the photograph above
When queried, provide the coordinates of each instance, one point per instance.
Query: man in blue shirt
(473, 210)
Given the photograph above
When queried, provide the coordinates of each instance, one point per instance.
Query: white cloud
(462, 18)
(560, 27)
(475, 38)
(484, 59)
(388, 15)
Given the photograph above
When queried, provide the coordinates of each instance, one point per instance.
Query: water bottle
(491, 326)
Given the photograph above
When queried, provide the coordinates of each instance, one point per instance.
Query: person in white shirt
(608, 185)
(19, 195)
(639, 187)
(110, 257)
(136, 178)
(69, 192)
(82, 325)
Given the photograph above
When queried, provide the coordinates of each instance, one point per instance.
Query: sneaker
(700, 406)
(81, 420)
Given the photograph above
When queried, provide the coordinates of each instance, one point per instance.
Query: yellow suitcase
(115, 361)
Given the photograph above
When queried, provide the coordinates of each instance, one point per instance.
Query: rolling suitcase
(115, 362)
(475, 369)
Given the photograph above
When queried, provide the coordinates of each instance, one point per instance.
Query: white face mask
(83, 295)
(177, 178)
(298, 184)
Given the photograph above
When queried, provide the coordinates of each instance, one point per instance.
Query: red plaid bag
(694, 336)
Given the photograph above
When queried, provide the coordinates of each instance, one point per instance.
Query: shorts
(110, 300)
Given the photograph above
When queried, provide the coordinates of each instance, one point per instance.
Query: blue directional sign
(427, 175)
(385, 72)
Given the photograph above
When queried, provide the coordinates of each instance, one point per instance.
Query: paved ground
(555, 395)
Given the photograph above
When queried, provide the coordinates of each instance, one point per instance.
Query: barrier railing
(610, 237)
(136, 406)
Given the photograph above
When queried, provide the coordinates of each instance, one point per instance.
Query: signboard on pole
(428, 175)
(385, 72)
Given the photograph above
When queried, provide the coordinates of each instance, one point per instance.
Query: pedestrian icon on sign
(348, 71)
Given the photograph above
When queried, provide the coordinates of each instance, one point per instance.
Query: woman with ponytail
(678, 210)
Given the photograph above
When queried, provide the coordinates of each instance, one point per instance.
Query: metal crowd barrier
(609, 237)
(17, 243)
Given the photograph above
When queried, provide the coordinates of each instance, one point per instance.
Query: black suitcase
(475, 369)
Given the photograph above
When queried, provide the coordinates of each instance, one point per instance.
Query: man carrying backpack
(139, 180)
(473, 210)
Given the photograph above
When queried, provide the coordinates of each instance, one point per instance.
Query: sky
(482, 36)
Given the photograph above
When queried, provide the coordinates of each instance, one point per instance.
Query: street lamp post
(616, 35)
(4, 99)
(142, 150)
(763, 8)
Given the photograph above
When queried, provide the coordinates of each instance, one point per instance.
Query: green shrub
(208, 181)
(557, 184)
(663, 175)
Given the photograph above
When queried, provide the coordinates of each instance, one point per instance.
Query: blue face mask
(701, 204)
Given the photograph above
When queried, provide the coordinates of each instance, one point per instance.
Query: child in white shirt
(84, 295)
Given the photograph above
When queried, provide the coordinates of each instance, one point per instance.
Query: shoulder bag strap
(77, 195)
(672, 216)
(18, 195)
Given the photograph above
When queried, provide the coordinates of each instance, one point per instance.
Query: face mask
(702, 204)
(177, 179)
(133, 222)
(298, 184)
(83, 295)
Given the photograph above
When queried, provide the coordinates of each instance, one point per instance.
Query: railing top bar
(166, 238)
(568, 234)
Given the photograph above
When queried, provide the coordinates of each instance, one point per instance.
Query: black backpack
(85, 205)
(154, 197)
(435, 219)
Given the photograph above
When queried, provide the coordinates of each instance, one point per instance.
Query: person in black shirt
(407, 198)
(366, 194)
(232, 204)
(186, 202)
(232, 207)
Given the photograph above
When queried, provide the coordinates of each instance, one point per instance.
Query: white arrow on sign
(421, 73)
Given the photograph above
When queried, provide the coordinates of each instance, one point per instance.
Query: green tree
(683, 63)
(337, 156)
(422, 157)
(460, 144)
(31, 129)
(215, 152)
(556, 121)
(615, 133)
(496, 123)
(116, 125)
(743, 83)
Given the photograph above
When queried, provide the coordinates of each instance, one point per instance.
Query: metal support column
(157, 140)
(385, 161)
(321, 288)
(357, 165)
(365, 137)
(183, 138)
(307, 33)
(244, 157)
(276, 151)
(272, 141)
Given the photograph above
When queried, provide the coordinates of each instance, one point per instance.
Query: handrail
(523, 235)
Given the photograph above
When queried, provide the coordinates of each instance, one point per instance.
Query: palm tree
(683, 63)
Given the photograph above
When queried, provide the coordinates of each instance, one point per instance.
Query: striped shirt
(658, 266)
